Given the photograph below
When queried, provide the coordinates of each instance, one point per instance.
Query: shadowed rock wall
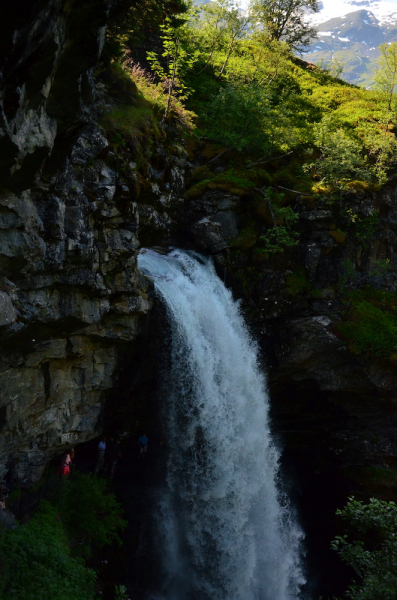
(70, 293)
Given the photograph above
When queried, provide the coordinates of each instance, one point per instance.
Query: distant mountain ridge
(353, 38)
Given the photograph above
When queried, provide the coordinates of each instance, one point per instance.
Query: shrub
(374, 554)
(35, 562)
(91, 515)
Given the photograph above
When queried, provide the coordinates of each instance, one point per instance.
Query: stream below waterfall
(222, 523)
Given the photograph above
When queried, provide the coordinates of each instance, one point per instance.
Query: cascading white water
(225, 533)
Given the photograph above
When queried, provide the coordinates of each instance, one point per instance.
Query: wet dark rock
(7, 520)
(215, 233)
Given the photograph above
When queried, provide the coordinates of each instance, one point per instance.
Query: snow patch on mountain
(384, 12)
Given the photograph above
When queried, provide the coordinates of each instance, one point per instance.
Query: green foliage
(121, 593)
(348, 273)
(233, 177)
(251, 95)
(174, 62)
(380, 267)
(366, 227)
(374, 554)
(342, 159)
(213, 26)
(297, 282)
(334, 67)
(246, 238)
(36, 562)
(130, 21)
(386, 75)
(238, 116)
(281, 235)
(90, 514)
(372, 322)
(277, 239)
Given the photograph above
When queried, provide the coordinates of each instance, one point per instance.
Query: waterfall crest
(225, 533)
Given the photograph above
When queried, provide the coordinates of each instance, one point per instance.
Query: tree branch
(288, 190)
(220, 154)
(263, 162)
(269, 204)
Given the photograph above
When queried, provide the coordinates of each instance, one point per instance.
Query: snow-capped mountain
(351, 31)
(384, 12)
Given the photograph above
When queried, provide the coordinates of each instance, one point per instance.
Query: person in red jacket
(65, 464)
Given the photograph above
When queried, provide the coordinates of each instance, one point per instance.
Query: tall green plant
(371, 550)
(91, 515)
(36, 562)
(176, 60)
(210, 29)
(342, 157)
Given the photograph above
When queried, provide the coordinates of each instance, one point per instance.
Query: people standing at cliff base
(143, 442)
(66, 462)
(101, 455)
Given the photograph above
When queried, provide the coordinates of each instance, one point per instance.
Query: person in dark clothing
(100, 455)
(108, 452)
(143, 442)
(114, 458)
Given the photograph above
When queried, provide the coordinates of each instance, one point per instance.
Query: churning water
(225, 533)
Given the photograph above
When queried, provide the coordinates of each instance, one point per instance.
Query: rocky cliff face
(70, 293)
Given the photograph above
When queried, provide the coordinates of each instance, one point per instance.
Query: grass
(135, 122)
(299, 97)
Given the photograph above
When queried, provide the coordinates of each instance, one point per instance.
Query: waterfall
(226, 534)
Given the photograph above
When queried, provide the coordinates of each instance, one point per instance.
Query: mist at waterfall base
(224, 530)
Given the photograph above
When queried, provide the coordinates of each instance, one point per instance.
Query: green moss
(374, 476)
(297, 282)
(371, 325)
(234, 179)
(202, 173)
(230, 181)
(379, 298)
(246, 239)
(129, 120)
(196, 191)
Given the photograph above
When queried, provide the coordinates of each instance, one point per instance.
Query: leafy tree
(131, 20)
(242, 117)
(376, 133)
(334, 67)
(211, 27)
(386, 75)
(374, 555)
(36, 562)
(235, 30)
(284, 20)
(342, 158)
(174, 62)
